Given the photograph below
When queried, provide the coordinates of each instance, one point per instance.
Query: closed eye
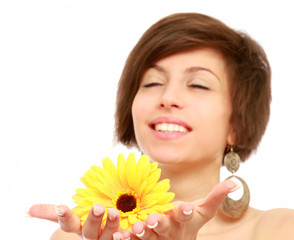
(198, 86)
(153, 84)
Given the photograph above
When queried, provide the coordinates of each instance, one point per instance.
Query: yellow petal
(142, 171)
(83, 202)
(154, 176)
(162, 186)
(105, 189)
(141, 189)
(109, 166)
(162, 208)
(131, 169)
(165, 197)
(80, 211)
(152, 181)
(148, 202)
(83, 192)
(110, 182)
(142, 217)
(121, 166)
(146, 173)
(154, 166)
(133, 219)
(96, 173)
(88, 181)
(146, 211)
(143, 165)
(124, 224)
(112, 171)
(147, 189)
(90, 193)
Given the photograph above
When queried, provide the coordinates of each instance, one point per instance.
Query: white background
(60, 62)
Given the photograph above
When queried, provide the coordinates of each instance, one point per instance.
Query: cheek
(138, 110)
(138, 116)
(135, 111)
(142, 105)
(216, 119)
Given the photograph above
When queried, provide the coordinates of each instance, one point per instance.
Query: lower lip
(168, 135)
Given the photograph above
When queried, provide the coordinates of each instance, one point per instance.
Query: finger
(44, 211)
(143, 232)
(93, 222)
(208, 206)
(112, 224)
(183, 212)
(159, 224)
(68, 221)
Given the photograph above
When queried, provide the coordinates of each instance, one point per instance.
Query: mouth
(169, 128)
(170, 125)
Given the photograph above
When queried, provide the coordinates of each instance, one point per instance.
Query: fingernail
(140, 234)
(97, 210)
(153, 226)
(116, 236)
(187, 213)
(59, 211)
(235, 185)
(112, 215)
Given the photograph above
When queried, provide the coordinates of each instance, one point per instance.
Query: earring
(230, 207)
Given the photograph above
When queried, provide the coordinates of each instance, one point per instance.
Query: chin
(167, 157)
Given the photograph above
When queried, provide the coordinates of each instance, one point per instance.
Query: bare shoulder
(275, 224)
(61, 235)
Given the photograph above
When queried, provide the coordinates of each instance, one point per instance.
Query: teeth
(169, 127)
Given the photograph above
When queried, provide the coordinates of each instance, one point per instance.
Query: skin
(192, 90)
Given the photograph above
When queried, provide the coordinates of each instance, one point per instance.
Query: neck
(190, 182)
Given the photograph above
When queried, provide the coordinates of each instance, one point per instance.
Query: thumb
(208, 206)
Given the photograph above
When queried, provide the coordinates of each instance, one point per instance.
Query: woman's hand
(92, 229)
(185, 220)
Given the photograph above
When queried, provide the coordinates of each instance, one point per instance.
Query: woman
(194, 94)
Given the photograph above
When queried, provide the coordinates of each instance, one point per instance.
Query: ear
(232, 136)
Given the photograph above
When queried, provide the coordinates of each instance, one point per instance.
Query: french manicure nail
(187, 213)
(111, 214)
(59, 211)
(153, 226)
(97, 210)
(140, 234)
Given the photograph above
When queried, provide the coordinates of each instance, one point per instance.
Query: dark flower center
(126, 203)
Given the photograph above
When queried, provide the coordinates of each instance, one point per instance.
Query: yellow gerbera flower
(132, 188)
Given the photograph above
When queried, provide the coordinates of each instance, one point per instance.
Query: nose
(172, 98)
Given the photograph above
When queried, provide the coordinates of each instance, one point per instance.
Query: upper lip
(172, 120)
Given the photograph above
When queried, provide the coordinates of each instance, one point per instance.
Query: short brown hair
(247, 65)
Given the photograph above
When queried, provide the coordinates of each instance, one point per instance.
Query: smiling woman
(193, 92)
(203, 112)
(243, 62)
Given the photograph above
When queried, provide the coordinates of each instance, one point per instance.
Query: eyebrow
(188, 70)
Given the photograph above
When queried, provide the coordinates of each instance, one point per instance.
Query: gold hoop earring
(230, 207)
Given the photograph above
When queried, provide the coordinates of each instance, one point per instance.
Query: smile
(170, 127)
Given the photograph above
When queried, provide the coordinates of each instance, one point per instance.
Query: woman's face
(181, 112)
